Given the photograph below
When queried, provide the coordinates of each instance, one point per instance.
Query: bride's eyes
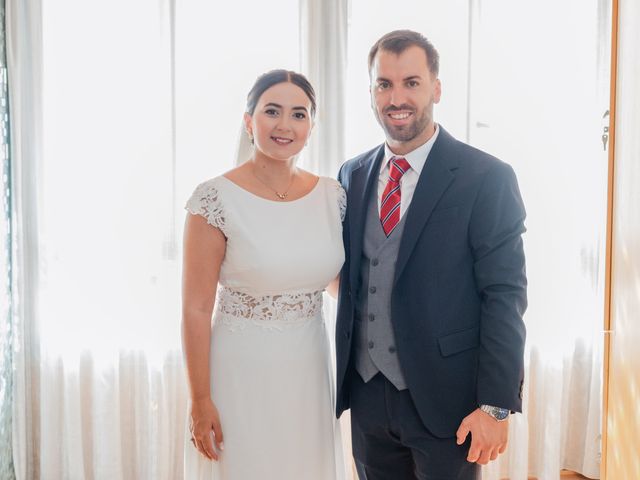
(274, 112)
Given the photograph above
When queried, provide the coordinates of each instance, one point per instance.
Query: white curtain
(323, 59)
(109, 139)
(539, 102)
(24, 60)
(323, 29)
(99, 391)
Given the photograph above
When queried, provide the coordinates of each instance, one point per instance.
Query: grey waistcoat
(375, 344)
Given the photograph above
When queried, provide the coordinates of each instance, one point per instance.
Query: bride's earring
(250, 137)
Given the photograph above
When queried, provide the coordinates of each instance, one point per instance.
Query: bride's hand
(205, 421)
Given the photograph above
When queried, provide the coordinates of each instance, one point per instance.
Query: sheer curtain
(100, 364)
(24, 67)
(323, 31)
(540, 102)
(323, 27)
(6, 323)
(121, 112)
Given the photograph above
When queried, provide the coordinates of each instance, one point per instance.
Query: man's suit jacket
(459, 289)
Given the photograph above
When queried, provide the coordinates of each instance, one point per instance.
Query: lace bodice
(236, 310)
(279, 257)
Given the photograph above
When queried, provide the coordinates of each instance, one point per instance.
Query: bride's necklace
(281, 196)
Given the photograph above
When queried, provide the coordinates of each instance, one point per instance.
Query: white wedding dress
(271, 374)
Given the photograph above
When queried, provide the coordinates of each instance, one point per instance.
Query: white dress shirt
(409, 180)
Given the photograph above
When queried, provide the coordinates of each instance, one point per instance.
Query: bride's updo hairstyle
(269, 79)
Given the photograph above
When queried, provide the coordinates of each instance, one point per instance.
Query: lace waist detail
(236, 309)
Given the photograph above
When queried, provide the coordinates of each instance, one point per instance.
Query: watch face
(496, 412)
(500, 413)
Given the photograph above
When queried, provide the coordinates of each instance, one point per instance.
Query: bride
(261, 243)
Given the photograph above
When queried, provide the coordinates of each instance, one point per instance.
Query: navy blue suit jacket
(459, 289)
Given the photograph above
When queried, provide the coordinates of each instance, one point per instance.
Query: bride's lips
(282, 140)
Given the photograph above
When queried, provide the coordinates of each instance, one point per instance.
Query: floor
(567, 475)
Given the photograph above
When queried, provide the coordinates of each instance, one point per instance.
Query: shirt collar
(416, 158)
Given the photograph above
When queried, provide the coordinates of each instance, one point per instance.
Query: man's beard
(405, 133)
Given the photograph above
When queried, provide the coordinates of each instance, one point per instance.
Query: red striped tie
(390, 204)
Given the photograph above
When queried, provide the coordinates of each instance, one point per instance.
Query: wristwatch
(500, 414)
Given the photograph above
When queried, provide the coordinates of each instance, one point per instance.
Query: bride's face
(281, 122)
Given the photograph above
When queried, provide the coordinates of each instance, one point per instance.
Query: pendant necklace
(281, 196)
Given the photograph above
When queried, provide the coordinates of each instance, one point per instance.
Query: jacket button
(392, 349)
(375, 262)
(370, 344)
(372, 289)
(372, 317)
(347, 334)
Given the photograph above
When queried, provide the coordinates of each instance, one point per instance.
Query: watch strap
(499, 414)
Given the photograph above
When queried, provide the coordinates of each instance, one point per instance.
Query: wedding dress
(271, 374)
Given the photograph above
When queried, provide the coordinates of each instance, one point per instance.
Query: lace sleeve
(205, 201)
(342, 201)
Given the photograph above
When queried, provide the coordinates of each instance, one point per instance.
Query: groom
(430, 335)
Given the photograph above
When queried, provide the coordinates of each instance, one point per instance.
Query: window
(118, 167)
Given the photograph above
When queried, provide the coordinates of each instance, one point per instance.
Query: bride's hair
(269, 79)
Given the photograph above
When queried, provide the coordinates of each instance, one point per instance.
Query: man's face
(403, 92)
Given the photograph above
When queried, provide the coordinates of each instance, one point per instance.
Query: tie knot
(399, 167)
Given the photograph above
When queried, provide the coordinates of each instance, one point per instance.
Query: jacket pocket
(459, 341)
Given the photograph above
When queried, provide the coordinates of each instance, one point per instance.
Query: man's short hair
(399, 40)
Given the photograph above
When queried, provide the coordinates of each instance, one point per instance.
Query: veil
(244, 148)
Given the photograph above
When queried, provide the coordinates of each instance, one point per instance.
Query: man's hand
(488, 436)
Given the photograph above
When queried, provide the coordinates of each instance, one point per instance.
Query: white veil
(244, 148)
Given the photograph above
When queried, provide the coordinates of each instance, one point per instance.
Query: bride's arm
(204, 249)
(334, 287)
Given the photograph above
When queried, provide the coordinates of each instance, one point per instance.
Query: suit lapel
(363, 180)
(435, 178)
